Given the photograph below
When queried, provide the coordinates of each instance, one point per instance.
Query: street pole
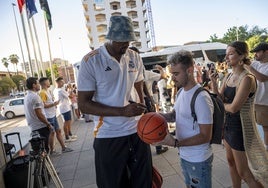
(13, 5)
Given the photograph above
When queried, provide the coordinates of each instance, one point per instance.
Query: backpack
(218, 115)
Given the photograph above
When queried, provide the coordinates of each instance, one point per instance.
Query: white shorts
(75, 106)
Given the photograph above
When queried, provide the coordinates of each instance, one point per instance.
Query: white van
(203, 53)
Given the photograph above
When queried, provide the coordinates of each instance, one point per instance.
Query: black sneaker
(162, 150)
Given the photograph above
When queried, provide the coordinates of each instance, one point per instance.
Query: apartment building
(98, 13)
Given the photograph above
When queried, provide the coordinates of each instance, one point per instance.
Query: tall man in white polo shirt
(34, 111)
(105, 80)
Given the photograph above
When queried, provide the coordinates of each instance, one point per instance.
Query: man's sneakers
(162, 150)
(73, 136)
(70, 139)
(66, 149)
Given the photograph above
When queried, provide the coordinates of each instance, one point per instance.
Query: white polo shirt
(261, 96)
(112, 83)
(33, 101)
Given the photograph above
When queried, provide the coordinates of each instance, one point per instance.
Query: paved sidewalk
(76, 169)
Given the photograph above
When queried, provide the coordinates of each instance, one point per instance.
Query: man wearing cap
(105, 80)
(260, 69)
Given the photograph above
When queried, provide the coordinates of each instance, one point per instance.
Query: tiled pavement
(76, 169)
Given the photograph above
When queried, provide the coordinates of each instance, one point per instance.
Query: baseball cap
(260, 47)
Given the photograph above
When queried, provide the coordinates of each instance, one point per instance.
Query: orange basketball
(152, 127)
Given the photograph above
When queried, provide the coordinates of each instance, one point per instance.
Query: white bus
(203, 53)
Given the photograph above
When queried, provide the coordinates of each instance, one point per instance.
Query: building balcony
(100, 18)
(131, 4)
(85, 5)
(102, 28)
(116, 14)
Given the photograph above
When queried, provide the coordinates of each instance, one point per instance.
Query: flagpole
(38, 46)
(23, 60)
(49, 50)
(27, 44)
(33, 43)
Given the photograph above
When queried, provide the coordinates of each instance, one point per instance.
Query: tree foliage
(19, 80)
(252, 36)
(5, 63)
(7, 85)
(14, 59)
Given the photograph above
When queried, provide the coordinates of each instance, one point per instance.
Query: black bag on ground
(16, 172)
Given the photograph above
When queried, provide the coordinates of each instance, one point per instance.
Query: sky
(175, 22)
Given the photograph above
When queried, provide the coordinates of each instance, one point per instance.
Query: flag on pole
(30, 8)
(20, 4)
(45, 7)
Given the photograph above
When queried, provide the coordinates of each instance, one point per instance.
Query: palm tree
(5, 63)
(14, 59)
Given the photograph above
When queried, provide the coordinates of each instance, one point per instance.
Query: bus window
(149, 62)
(216, 55)
(198, 54)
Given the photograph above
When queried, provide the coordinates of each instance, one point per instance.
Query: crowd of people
(110, 74)
(41, 106)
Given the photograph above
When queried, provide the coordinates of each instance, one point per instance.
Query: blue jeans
(54, 122)
(197, 175)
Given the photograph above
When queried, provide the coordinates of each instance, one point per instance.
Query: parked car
(12, 108)
(18, 94)
(21, 94)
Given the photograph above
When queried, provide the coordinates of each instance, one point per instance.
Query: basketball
(152, 127)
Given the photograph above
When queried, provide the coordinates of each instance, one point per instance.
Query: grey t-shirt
(33, 101)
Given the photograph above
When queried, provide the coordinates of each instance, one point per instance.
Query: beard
(123, 50)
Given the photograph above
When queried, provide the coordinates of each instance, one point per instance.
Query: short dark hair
(30, 82)
(183, 57)
(42, 80)
(59, 79)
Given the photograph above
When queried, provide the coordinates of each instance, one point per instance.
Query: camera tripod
(41, 170)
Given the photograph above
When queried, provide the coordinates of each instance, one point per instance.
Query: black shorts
(234, 138)
(123, 162)
(44, 132)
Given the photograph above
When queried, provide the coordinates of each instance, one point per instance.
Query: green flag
(45, 7)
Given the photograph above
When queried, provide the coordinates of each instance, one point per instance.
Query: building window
(135, 25)
(114, 7)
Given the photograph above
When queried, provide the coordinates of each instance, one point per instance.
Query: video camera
(37, 142)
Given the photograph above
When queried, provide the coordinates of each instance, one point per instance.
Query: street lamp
(65, 65)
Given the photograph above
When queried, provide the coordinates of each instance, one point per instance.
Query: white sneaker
(73, 136)
(70, 139)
